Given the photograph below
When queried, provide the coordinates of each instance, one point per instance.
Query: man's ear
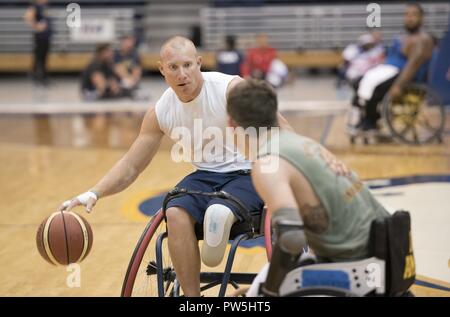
(160, 67)
(199, 61)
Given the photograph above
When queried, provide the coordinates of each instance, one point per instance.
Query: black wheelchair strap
(242, 210)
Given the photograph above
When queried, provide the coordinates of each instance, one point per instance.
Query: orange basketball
(64, 238)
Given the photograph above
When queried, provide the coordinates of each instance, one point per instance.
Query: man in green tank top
(336, 208)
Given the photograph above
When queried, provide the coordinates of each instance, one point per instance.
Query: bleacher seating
(311, 26)
(310, 35)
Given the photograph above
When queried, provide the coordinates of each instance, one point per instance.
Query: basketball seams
(85, 235)
(47, 248)
(40, 242)
(65, 236)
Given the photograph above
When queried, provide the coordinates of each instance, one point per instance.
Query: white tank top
(198, 127)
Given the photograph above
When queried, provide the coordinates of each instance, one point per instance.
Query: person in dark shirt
(98, 80)
(127, 64)
(37, 18)
(229, 61)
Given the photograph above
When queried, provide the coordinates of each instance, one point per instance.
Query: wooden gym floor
(45, 159)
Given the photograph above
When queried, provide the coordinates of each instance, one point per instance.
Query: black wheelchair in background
(417, 116)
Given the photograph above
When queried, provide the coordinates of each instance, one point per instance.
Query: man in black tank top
(37, 17)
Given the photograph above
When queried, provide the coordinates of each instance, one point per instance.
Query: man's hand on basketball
(87, 199)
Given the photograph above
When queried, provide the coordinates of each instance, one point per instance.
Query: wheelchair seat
(389, 270)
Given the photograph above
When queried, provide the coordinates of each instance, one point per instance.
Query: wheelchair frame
(167, 276)
(357, 278)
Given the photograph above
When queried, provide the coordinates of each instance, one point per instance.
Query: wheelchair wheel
(141, 278)
(418, 117)
(268, 235)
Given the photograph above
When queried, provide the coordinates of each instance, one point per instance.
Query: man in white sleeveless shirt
(195, 101)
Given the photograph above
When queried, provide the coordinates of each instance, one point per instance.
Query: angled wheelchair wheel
(143, 278)
(268, 235)
(417, 117)
(150, 271)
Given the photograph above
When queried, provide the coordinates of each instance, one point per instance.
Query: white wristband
(82, 198)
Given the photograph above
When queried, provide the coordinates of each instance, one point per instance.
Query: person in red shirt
(259, 58)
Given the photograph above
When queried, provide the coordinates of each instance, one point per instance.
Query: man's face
(181, 70)
(127, 44)
(412, 19)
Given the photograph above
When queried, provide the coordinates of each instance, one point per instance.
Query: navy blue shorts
(237, 183)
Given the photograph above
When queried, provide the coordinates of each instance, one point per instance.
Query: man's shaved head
(180, 65)
(175, 44)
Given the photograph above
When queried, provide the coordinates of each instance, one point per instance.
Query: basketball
(64, 238)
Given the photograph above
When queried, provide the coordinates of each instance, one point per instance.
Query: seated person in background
(368, 45)
(369, 54)
(127, 65)
(299, 180)
(229, 61)
(98, 80)
(358, 59)
(406, 60)
(259, 58)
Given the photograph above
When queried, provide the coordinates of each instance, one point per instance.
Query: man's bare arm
(275, 189)
(135, 160)
(272, 185)
(416, 57)
(126, 169)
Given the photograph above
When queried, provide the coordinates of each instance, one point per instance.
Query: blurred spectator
(229, 61)
(278, 73)
(127, 64)
(98, 79)
(259, 58)
(37, 18)
(370, 53)
(261, 62)
(358, 59)
(406, 60)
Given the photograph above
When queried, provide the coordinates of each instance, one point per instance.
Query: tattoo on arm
(315, 218)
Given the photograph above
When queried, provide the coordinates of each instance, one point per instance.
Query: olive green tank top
(349, 204)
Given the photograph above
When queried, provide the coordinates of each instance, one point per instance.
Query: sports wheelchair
(416, 117)
(150, 271)
(389, 271)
